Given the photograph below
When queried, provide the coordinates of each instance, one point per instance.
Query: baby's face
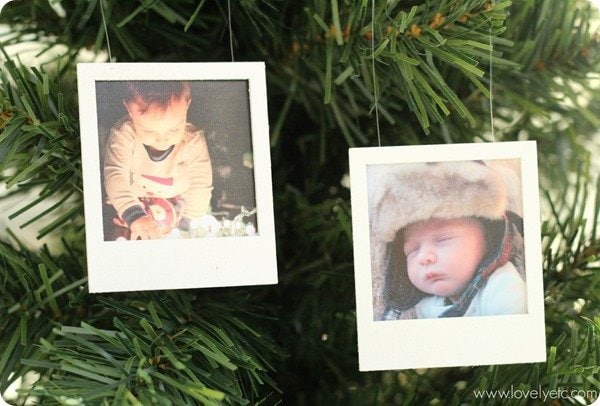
(443, 255)
(159, 128)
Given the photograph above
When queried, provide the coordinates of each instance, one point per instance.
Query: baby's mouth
(433, 276)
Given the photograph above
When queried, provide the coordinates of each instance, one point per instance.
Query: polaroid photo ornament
(3, 3)
(453, 273)
(177, 176)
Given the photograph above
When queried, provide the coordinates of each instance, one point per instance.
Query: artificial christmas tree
(294, 342)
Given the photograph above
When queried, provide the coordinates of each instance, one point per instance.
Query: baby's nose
(426, 255)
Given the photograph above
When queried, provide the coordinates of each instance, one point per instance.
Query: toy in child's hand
(145, 228)
(166, 213)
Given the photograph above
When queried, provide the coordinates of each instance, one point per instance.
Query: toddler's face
(156, 127)
(443, 255)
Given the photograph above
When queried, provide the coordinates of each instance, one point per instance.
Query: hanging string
(105, 30)
(491, 83)
(373, 70)
(230, 30)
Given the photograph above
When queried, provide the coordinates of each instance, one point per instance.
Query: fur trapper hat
(401, 194)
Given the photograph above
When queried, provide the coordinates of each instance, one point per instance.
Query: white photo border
(115, 266)
(460, 341)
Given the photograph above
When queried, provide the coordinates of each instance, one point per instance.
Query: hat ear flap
(515, 219)
(399, 293)
(494, 231)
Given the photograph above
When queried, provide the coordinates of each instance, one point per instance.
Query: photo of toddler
(157, 170)
(446, 239)
(176, 173)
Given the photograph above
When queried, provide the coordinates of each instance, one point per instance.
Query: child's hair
(156, 93)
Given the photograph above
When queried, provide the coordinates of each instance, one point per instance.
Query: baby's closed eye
(410, 249)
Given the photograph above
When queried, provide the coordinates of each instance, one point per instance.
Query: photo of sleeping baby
(446, 239)
(175, 159)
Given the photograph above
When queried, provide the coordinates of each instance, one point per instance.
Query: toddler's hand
(206, 226)
(145, 228)
(190, 226)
